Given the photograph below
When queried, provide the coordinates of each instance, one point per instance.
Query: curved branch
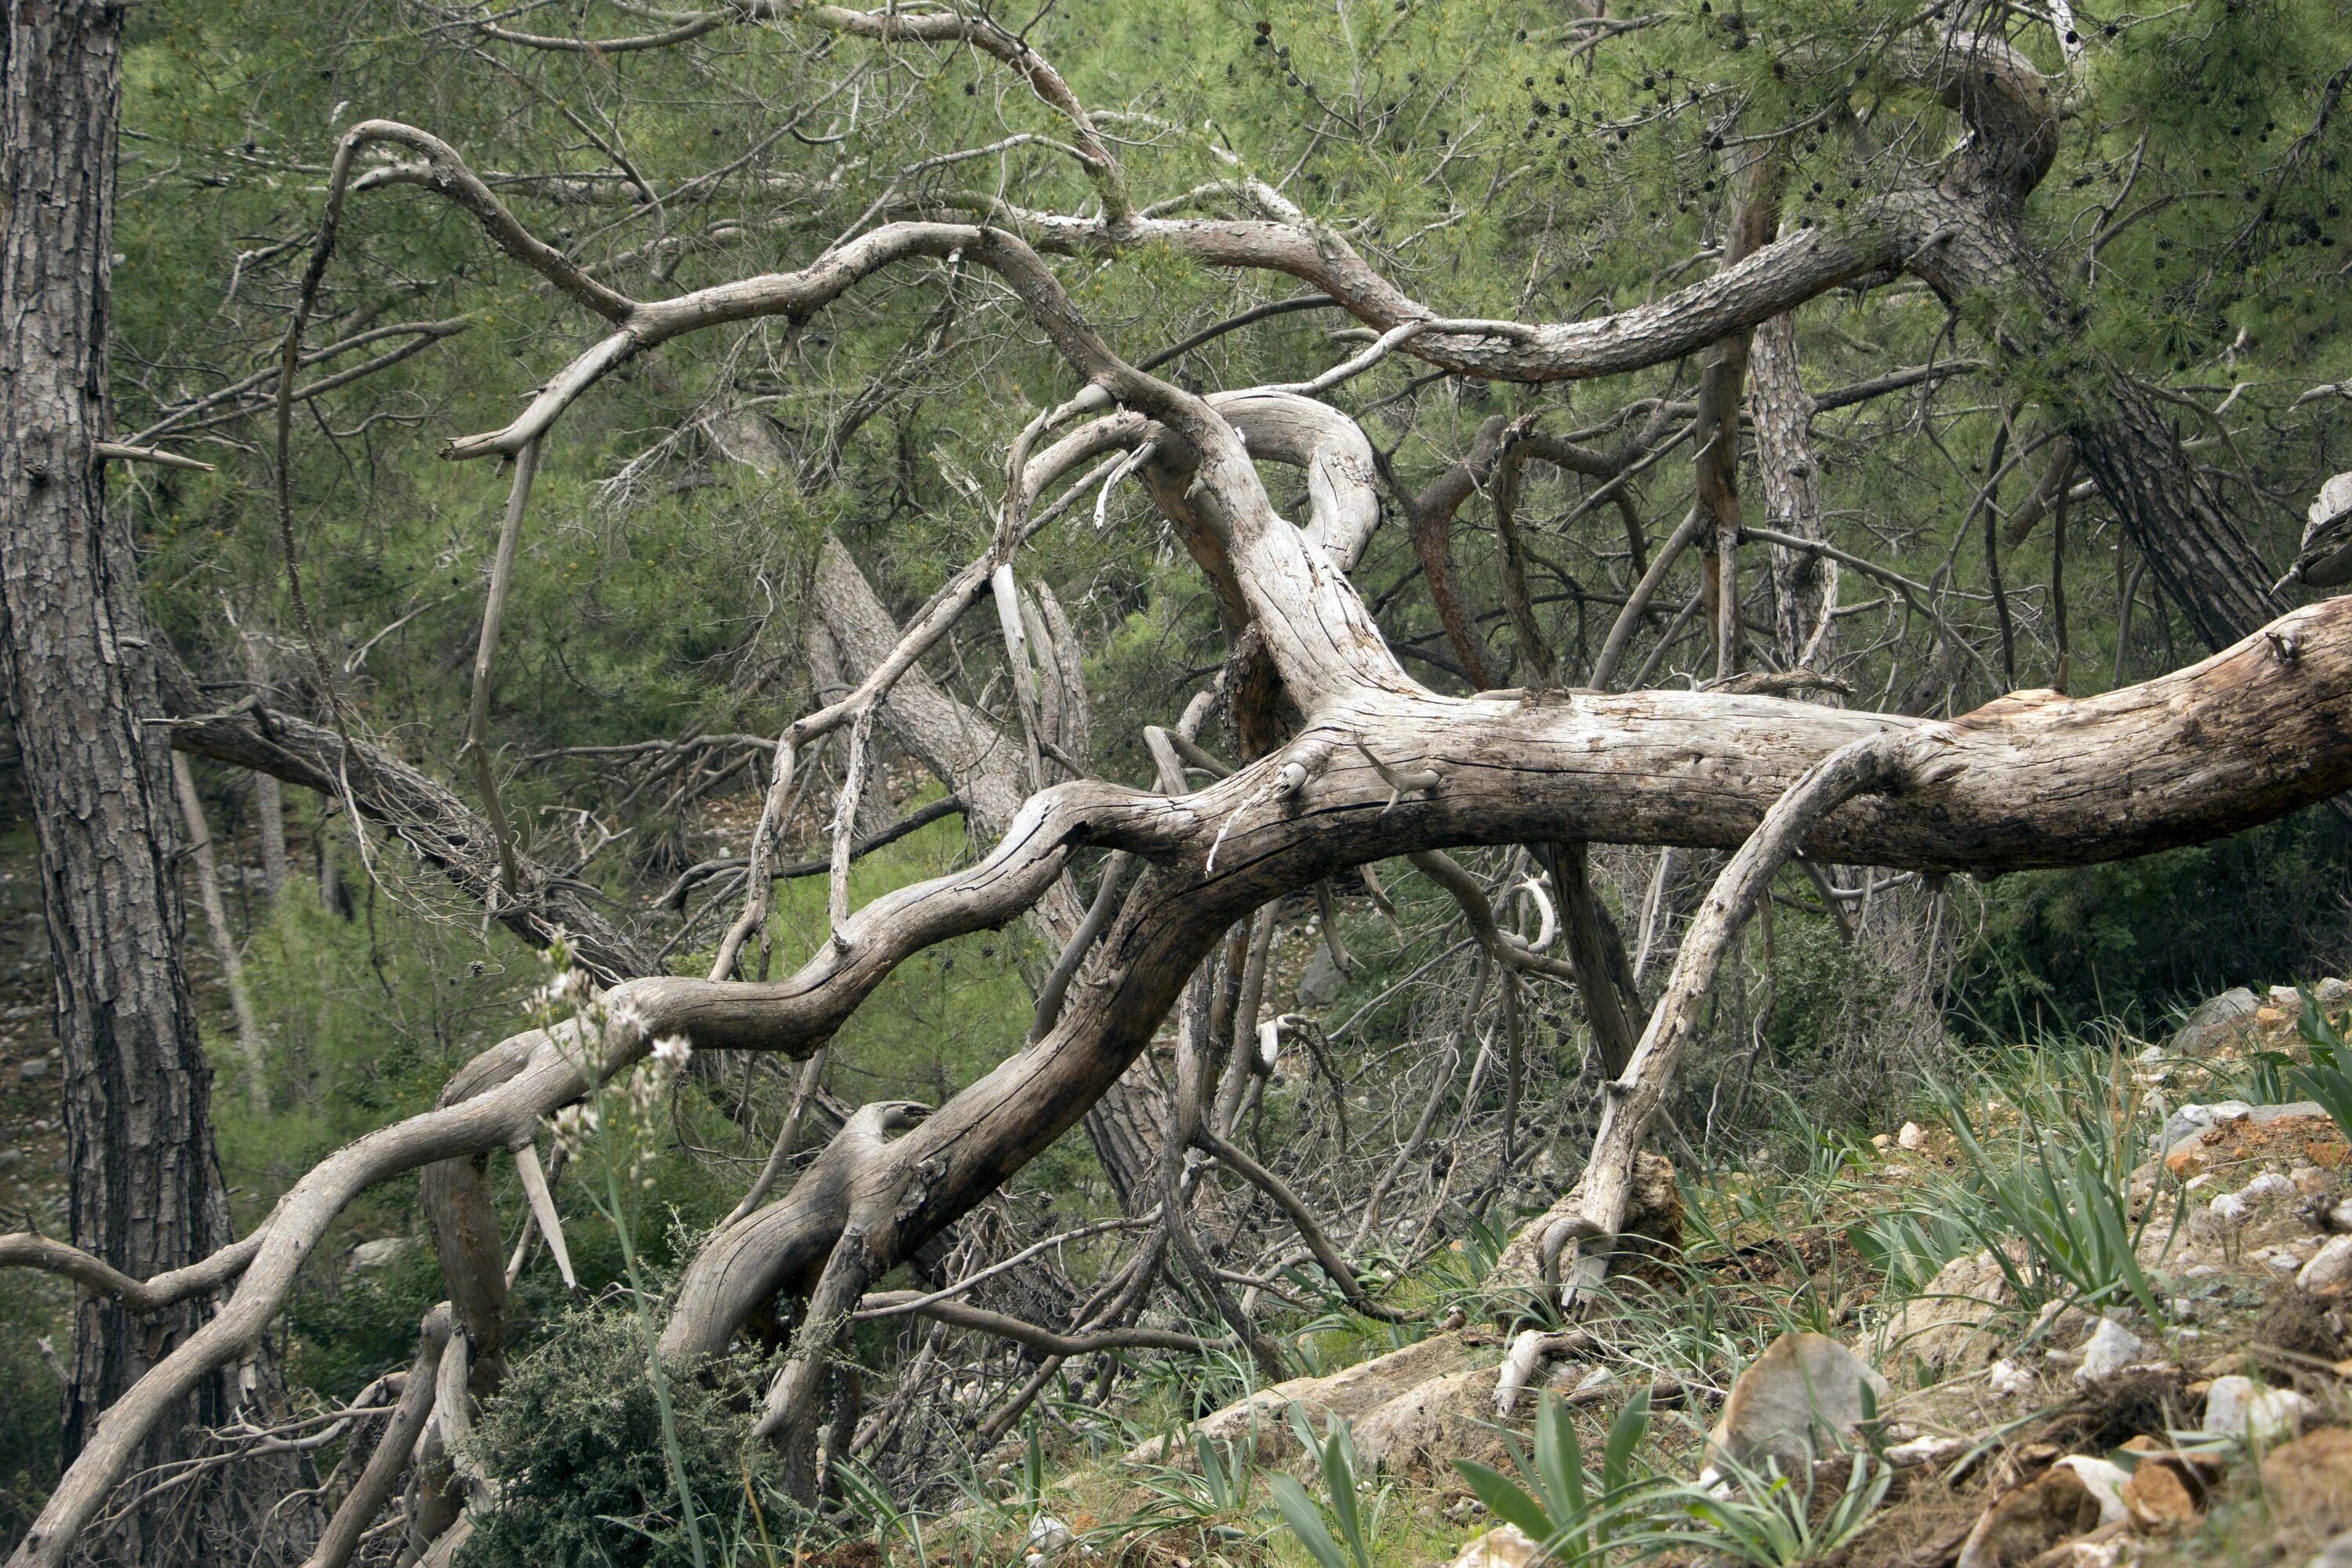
(1302, 1219)
(1044, 1340)
(100, 1278)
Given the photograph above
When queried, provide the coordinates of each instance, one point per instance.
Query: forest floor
(2153, 1370)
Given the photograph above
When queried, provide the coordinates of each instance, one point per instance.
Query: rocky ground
(2218, 1430)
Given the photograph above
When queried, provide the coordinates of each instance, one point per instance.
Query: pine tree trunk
(79, 674)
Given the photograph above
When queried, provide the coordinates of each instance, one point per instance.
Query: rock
(2269, 1184)
(11, 1158)
(1319, 987)
(2216, 1022)
(2286, 999)
(2193, 1119)
(2329, 1272)
(2030, 1519)
(1882, 1142)
(2008, 1377)
(1423, 1429)
(1653, 1212)
(1803, 1384)
(1913, 1136)
(2159, 1499)
(2105, 1478)
(1506, 1546)
(1350, 1394)
(34, 1070)
(2107, 1547)
(2239, 1407)
(1047, 1535)
(2111, 1349)
(1930, 1453)
(2337, 1554)
(2297, 1134)
(1943, 1329)
(381, 1253)
(2339, 1217)
(2309, 1482)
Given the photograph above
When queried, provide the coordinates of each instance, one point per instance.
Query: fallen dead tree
(1355, 762)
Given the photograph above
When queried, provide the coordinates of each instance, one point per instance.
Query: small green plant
(1219, 1500)
(1909, 1246)
(1575, 1515)
(2059, 1185)
(1766, 1521)
(1335, 1458)
(2327, 1077)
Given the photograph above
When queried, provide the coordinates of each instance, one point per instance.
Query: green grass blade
(1306, 1522)
(1505, 1501)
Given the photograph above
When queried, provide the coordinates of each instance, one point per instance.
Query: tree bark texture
(80, 676)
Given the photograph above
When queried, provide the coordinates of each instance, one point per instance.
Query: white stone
(2229, 1209)
(2330, 1269)
(2111, 1348)
(1048, 1535)
(2009, 1377)
(2105, 1481)
(2269, 1183)
(2239, 1407)
(1913, 1136)
(1934, 1452)
(2192, 1118)
(1505, 1546)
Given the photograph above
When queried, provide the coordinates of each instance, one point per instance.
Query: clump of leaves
(2058, 1182)
(1765, 1520)
(575, 1443)
(1575, 1515)
(2327, 1075)
(1335, 1458)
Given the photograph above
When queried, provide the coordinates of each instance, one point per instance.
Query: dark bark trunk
(2126, 441)
(2123, 434)
(1431, 517)
(146, 1192)
(1716, 444)
(1803, 583)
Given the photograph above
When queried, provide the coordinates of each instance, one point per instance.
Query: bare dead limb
(494, 605)
(390, 1458)
(1874, 763)
(1303, 1219)
(1004, 1326)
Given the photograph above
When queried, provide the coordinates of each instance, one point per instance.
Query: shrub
(574, 1441)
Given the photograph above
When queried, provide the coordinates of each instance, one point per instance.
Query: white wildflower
(673, 1051)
